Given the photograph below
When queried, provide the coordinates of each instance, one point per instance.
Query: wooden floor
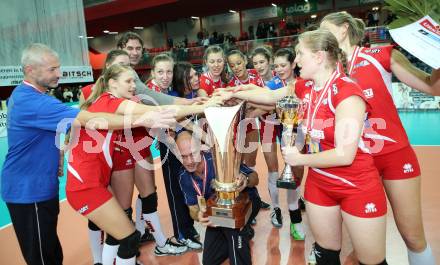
(270, 246)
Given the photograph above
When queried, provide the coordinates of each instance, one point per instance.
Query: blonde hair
(101, 86)
(324, 40)
(356, 27)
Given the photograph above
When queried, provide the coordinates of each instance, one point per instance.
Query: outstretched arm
(414, 77)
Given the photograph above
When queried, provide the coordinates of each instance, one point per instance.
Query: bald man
(195, 180)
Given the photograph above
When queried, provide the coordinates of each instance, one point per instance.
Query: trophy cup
(227, 207)
(288, 112)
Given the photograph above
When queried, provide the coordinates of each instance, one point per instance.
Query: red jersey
(153, 86)
(371, 69)
(319, 127)
(207, 83)
(253, 78)
(87, 91)
(90, 161)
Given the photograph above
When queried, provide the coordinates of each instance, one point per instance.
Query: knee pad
(295, 216)
(129, 246)
(129, 212)
(326, 256)
(384, 262)
(111, 240)
(92, 226)
(149, 203)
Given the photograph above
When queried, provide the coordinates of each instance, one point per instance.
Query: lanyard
(353, 59)
(34, 87)
(196, 187)
(311, 119)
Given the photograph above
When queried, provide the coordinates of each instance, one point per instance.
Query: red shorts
(269, 129)
(400, 164)
(86, 201)
(365, 203)
(124, 158)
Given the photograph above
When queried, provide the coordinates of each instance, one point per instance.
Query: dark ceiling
(121, 15)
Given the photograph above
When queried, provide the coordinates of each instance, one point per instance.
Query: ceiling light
(80, 36)
(193, 17)
(90, 37)
(138, 27)
(232, 11)
(106, 31)
(313, 16)
(274, 5)
(113, 32)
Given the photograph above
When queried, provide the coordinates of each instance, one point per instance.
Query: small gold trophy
(228, 207)
(288, 112)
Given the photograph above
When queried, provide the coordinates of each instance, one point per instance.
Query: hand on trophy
(214, 101)
(241, 182)
(157, 119)
(292, 155)
(204, 220)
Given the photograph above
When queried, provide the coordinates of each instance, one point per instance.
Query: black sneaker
(276, 217)
(301, 204)
(264, 205)
(146, 237)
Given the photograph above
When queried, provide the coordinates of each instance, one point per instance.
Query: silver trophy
(228, 207)
(289, 115)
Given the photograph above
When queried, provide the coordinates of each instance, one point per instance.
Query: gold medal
(202, 203)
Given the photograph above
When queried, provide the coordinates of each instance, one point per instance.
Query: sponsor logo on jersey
(335, 89)
(368, 93)
(129, 162)
(361, 64)
(370, 208)
(373, 51)
(83, 209)
(309, 83)
(207, 81)
(408, 168)
(324, 102)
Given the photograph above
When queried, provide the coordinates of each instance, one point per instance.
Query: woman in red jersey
(393, 155)
(215, 76)
(342, 182)
(161, 73)
(91, 160)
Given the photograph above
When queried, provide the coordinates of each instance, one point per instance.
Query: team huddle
(350, 138)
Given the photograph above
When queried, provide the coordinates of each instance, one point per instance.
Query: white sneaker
(191, 243)
(170, 249)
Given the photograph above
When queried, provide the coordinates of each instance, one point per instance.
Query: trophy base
(289, 184)
(233, 216)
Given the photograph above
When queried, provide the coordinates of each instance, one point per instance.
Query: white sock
(273, 190)
(422, 258)
(109, 254)
(96, 241)
(140, 223)
(153, 224)
(130, 261)
(292, 199)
